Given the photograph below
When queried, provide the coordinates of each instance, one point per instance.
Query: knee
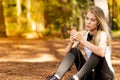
(74, 50)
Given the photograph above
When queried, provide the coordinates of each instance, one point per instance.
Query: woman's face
(91, 22)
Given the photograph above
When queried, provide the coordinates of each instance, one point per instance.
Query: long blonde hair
(103, 24)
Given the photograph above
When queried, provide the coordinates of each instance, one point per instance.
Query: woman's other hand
(76, 36)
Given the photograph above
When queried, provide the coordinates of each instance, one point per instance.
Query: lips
(87, 26)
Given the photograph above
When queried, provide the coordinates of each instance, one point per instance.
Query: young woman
(95, 64)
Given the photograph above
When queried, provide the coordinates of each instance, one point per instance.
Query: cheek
(94, 24)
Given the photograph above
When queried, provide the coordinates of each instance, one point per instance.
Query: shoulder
(100, 37)
(103, 34)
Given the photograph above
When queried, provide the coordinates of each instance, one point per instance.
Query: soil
(37, 59)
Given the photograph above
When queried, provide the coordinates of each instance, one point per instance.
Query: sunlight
(5, 41)
(36, 47)
(33, 26)
(41, 58)
(40, 27)
(59, 45)
(24, 46)
(115, 61)
(61, 52)
(45, 58)
(30, 35)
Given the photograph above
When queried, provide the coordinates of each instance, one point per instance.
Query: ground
(36, 59)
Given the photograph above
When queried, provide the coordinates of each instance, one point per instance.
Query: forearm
(69, 46)
(95, 49)
(76, 43)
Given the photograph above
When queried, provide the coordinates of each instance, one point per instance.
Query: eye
(93, 20)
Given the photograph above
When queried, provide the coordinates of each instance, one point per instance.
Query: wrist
(71, 42)
(82, 40)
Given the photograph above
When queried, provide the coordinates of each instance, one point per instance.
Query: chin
(88, 29)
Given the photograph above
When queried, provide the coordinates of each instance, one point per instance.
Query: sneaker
(71, 78)
(53, 78)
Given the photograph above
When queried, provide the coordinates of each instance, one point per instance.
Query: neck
(93, 32)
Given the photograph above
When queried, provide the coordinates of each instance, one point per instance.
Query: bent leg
(88, 66)
(103, 72)
(67, 62)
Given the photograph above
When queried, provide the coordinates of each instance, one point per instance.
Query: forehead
(91, 15)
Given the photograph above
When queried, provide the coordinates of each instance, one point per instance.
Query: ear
(98, 24)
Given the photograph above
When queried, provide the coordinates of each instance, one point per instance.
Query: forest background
(41, 18)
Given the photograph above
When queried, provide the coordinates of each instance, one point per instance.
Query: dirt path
(22, 59)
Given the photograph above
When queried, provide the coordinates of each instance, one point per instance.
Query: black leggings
(86, 69)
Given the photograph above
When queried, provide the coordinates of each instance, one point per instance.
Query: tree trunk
(104, 6)
(28, 9)
(81, 25)
(63, 26)
(2, 24)
(88, 3)
(114, 15)
(18, 13)
(40, 21)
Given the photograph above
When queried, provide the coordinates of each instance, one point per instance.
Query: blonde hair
(103, 24)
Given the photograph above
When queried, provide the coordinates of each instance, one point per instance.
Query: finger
(73, 36)
(73, 28)
(72, 33)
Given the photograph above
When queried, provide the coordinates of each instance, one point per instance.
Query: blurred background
(43, 18)
(34, 34)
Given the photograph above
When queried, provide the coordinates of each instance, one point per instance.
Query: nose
(88, 21)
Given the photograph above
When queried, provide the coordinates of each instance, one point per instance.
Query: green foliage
(57, 15)
(10, 10)
(116, 34)
(118, 15)
(12, 29)
(114, 6)
(63, 14)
